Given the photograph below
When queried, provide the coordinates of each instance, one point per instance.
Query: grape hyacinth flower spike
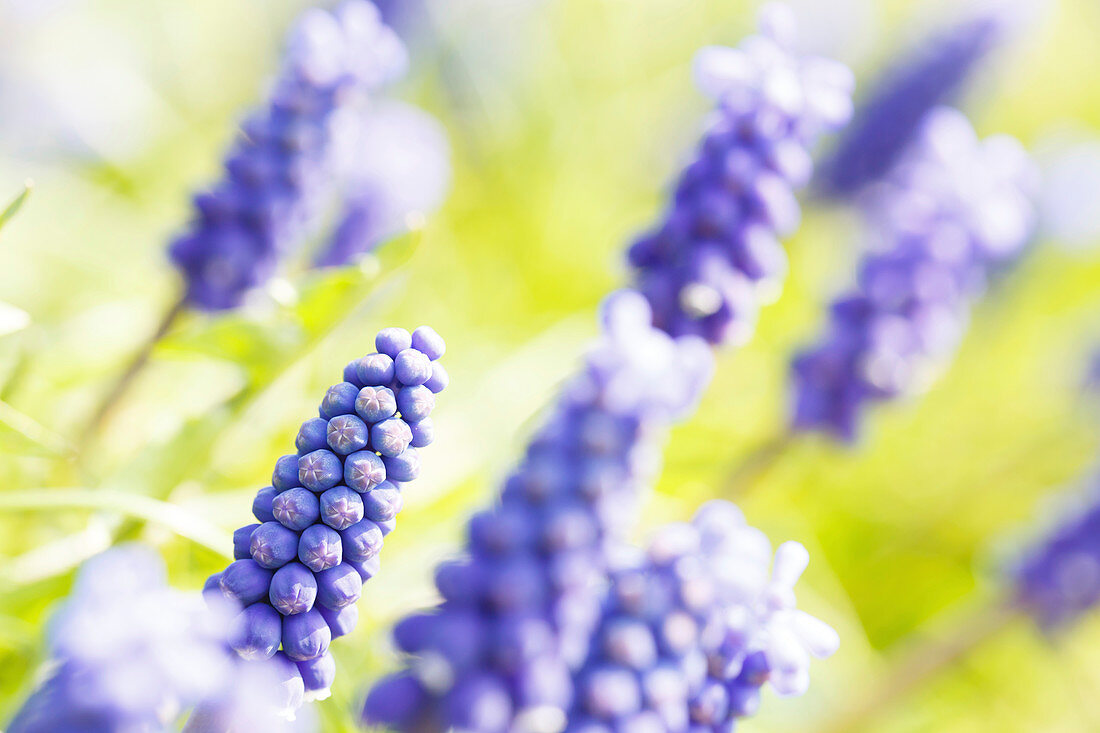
(300, 570)
(694, 627)
(520, 607)
(890, 117)
(716, 255)
(954, 211)
(279, 171)
(129, 652)
(284, 164)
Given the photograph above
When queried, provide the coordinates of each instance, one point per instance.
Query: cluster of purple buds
(518, 611)
(694, 627)
(954, 210)
(891, 115)
(1059, 579)
(716, 255)
(130, 653)
(300, 571)
(282, 165)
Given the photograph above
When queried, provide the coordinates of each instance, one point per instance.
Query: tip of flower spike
(777, 21)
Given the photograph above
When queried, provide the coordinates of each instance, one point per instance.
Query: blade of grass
(13, 208)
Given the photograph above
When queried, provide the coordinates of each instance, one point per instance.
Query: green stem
(918, 665)
(125, 380)
(748, 472)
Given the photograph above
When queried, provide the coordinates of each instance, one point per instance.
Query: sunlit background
(566, 121)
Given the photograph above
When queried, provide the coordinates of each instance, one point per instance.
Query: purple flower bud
(305, 636)
(382, 504)
(412, 367)
(375, 370)
(257, 632)
(367, 569)
(391, 437)
(340, 621)
(272, 545)
(297, 508)
(415, 403)
(318, 675)
(361, 541)
(392, 341)
(293, 589)
(320, 470)
(313, 435)
(439, 379)
(246, 581)
(339, 586)
(405, 467)
(398, 701)
(363, 471)
(347, 434)
(286, 473)
(341, 507)
(423, 433)
(242, 542)
(375, 404)
(261, 505)
(339, 400)
(428, 342)
(319, 548)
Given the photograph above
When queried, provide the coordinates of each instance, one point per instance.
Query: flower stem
(743, 477)
(126, 379)
(920, 664)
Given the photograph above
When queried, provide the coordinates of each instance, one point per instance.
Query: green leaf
(20, 433)
(179, 520)
(14, 206)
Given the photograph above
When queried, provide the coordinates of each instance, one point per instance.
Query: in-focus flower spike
(933, 74)
(1059, 577)
(519, 610)
(283, 164)
(328, 509)
(131, 653)
(954, 210)
(715, 256)
(694, 627)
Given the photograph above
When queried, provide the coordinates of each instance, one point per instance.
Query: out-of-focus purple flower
(130, 653)
(954, 209)
(891, 113)
(325, 515)
(716, 254)
(398, 169)
(520, 608)
(1059, 578)
(692, 629)
(283, 164)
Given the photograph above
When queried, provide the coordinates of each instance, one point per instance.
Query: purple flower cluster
(130, 652)
(518, 612)
(891, 115)
(706, 267)
(1059, 579)
(398, 166)
(954, 209)
(283, 163)
(691, 631)
(322, 521)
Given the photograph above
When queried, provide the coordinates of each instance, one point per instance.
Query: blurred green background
(567, 120)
